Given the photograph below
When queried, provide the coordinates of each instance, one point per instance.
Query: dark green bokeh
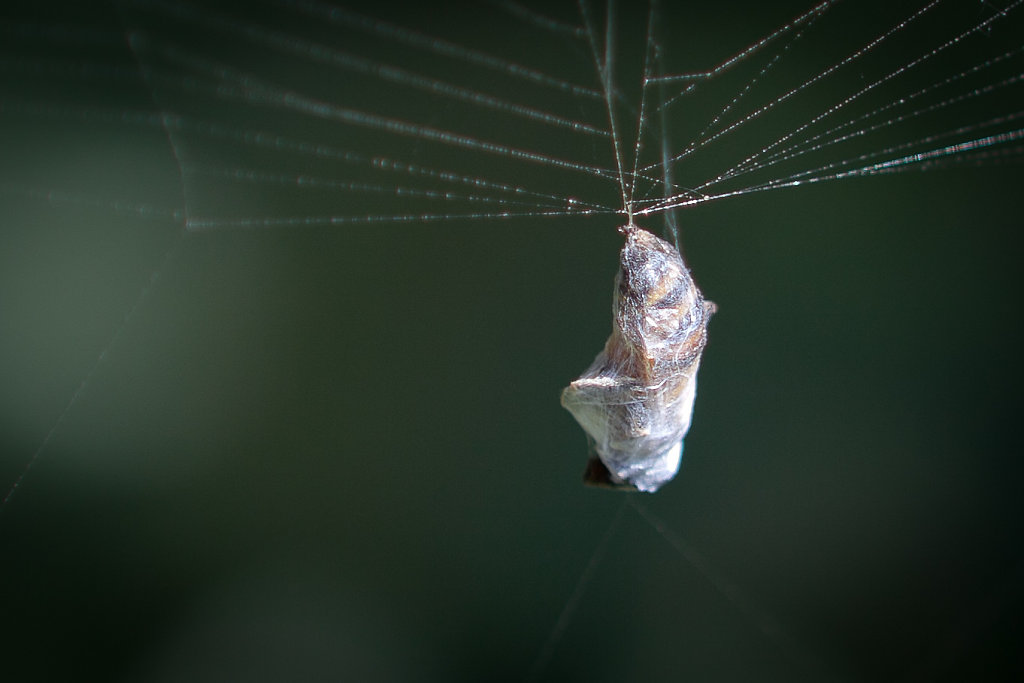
(336, 452)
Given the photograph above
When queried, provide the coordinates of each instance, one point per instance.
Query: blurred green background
(336, 452)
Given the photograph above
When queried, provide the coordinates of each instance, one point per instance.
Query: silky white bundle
(635, 401)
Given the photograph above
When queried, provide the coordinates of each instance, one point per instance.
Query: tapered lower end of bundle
(598, 475)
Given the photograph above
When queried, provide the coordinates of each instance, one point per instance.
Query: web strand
(605, 70)
(806, 84)
(769, 627)
(438, 46)
(863, 91)
(547, 650)
(386, 73)
(137, 305)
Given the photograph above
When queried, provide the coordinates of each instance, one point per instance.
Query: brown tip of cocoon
(597, 475)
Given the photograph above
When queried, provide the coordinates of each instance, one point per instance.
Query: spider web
(219, 226)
